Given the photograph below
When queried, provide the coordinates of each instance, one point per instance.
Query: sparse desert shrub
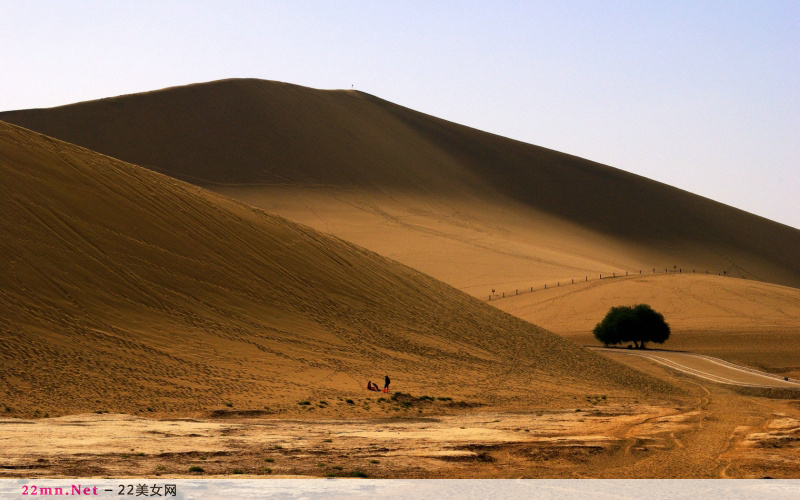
(238, 471)
(350, 402)
(269, 460)
(195, 468)
(638, 324)
(358, 473)
(304, 403)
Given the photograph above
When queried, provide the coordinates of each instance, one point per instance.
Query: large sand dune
(124, 289)
(477, 211)
(473, 209)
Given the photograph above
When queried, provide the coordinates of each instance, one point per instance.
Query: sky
(704, 96)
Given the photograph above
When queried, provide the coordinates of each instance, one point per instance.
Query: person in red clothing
(386, 382)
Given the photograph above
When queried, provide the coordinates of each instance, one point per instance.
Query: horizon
(700, 97)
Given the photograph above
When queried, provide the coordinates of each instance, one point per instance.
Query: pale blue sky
(704, 96)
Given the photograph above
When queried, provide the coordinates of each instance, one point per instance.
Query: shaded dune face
(360, 167)
(123, 289)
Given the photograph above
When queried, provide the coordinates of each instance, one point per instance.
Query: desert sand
(218, 275)
(126, 290)
(742, 321)
(475, 210)
(712, 433)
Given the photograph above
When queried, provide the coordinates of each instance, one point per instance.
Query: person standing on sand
(386, 382)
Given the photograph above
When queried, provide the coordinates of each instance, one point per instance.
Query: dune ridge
(362, 168)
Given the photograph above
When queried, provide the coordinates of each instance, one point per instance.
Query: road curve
(708, 368)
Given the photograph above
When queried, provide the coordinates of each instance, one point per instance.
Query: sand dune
(123, 289)
(470, 208)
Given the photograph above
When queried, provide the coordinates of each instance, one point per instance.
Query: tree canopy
(637, 324)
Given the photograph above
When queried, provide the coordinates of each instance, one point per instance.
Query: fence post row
(613, 274)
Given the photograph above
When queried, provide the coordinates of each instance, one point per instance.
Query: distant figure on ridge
(386, 382)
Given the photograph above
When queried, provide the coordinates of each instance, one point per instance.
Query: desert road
(708, 368)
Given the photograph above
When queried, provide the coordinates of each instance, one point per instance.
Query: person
(372, 386)
(386, 382)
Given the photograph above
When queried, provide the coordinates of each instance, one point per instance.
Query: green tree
(638, 324)
(651, 324)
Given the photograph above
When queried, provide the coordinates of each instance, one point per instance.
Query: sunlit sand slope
(686, 300)
(747, 322)
(474, 209)
(123, 289)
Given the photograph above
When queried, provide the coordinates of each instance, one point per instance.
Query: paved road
(708, 368)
